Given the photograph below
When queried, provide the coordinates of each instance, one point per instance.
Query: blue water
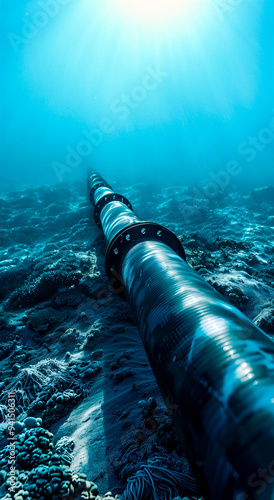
(184, 99)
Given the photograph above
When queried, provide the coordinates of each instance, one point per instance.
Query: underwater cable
(214, 367)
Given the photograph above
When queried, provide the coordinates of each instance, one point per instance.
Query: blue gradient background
(216, 93)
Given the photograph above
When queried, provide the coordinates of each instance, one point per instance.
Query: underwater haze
(166, 92)
(171, 102)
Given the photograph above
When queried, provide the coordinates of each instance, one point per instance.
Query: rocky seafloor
(90, 420)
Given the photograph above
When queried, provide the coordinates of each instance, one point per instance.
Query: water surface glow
(91, 63)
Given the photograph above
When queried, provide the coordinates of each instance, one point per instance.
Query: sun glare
(156, 12)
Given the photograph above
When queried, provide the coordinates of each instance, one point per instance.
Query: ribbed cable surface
(214, 367)
(115, 216)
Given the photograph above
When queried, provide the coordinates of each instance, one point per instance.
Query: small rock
(30, 423)
(19, 427)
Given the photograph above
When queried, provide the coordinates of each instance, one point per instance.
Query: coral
(94, 287)
(166, 435)
(232, 244)
(51, 389)
(46, 263)
(48, 375)
(33, 447)
(12, 277)
(96, 354)
(6, 348)
(3, 413)
(65, 447)
(148, 407)
(92, 335)
(121, 375)
(70, 335)
(70, 298)
(152, 482)
(121, 358)
(265, 320)
(57, 406)
(91, 369)
(152, 462)
(41, 288)
(263, 195)
(42, 319)
(230, 290)
(42, 470)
